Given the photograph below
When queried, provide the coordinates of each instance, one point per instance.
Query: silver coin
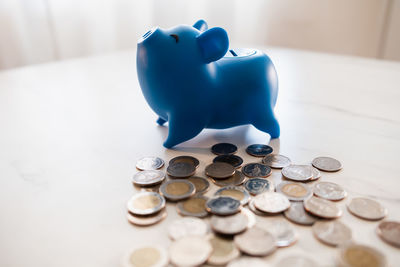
(259, 150)
(177, 189)
(147, 178)
(224, 149)
(333, 233)
(201, 184)
(149, 163)
(223, 205)
(146, 220)
(181, 169)
(236, 192)
(190, 251)
(194, 206)
(296, 260)
(253, 170)
(257, 186)
(236, 179)
(153, 255)
(283, 232)
(248, 262)
(316, 174)
(327, 164)
(224, 250)
(367, 208)
(219, 170)
(187, 159)
(294, 191)
(255, 210)
(271, 202)
(233, 160)
(146, 203)
(322, 208)
(389, 231)
(355, 255)
(229, 225)
(187, 227)
(297, 214)
(256, 242)
(330, 191)
(298, 172)
(276, 161)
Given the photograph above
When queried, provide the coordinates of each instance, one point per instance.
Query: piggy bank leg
(181, 130)
(161, 121)
(268, 124)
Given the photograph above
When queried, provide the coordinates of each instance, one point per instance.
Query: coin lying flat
(367, 208)
(233, 160)
(146, 203)
(316, 174)
(219, 170)
(255, 242)
(223, 205)
(146, 220)
(177, 189)
(283, 232)
(330, 191)
(322, 208)
(298, 172)
(190, 251)
(224, 149)
(327, 164)
(389, 231)
(333, 233)
(257, 186)
(187, 159)
(229, 225)
(186, 227)
(255, 210)
(201, 184)
(354, 255)
(247, 262)
(146, 256)
(147, 178)
(276, 161)
(181, 169)
(259, 150)
(271, 202)
(294, 191)
(224, 251)
(236, 192)
(149, 163)
(297, 214)
(253, 170)
(194, 206)
(296, 260)
(236, 179)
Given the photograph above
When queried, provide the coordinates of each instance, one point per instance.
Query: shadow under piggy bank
(191, 80)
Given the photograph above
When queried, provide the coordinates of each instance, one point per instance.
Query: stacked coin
(146, 208)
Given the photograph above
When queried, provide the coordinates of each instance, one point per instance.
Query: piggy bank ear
(213, 44)
(201, 25)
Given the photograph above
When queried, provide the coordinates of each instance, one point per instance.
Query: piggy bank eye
(176, 37)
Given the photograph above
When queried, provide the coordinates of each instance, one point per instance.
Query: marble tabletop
(72, 131)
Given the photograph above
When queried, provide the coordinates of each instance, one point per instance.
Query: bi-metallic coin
(147, 178)
(201, 184)
(257, 186)
(276, 161)
(194, 206)
(146, 203)
(219, 170)
(181, 169)
(149, 163)
(367, 209)
(146, 256)
(322, 208)
(294, 191)
(223, 205)
(329, 191)
(327, 164)
(177, 189)
(237, 178)
(259, 150)
(233, 160)
(224, 149)
(236, 192)
(253, 170)
(224, 251)
(333, 233)
(354, 255)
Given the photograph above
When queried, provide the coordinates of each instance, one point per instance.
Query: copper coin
(224, 149)
(177, 189)
(253, 170)
(294, 191)
(194, 206)
(187, 159)
(236, 179)
(367, 209)
(327, 164)
(181, 169)
(234, 160)
(333, 233)
(322, 208)
(219, 170)
(389, 231)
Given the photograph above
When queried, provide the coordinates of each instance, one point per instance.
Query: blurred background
(37, 31)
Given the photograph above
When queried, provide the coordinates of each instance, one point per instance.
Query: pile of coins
(232, 229)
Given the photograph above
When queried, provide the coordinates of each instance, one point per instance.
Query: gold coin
(145, 220)
(177, 189)
(294, 191)
(201, 184)
(194, 206)
(224, 250)
(361, 256)
(237, 178)
(146, 256)
(146, 203)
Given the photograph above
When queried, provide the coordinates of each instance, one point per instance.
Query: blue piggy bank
(191, 80)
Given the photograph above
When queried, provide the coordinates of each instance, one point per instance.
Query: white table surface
(72, 131)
